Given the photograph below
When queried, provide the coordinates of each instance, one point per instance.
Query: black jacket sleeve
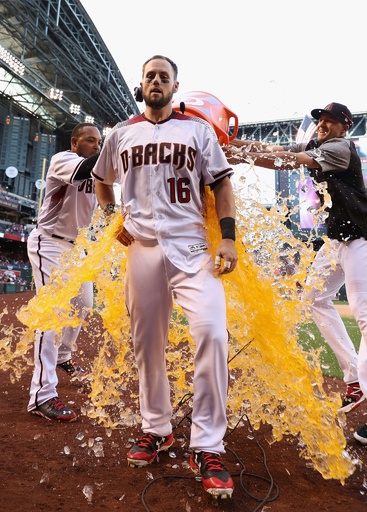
(86, 167)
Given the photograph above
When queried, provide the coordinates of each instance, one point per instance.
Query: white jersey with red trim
(68, 205)
(162, 168)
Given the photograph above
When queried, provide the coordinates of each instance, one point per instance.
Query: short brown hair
(174, 66)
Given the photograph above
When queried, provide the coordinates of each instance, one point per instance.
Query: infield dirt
(49, 466)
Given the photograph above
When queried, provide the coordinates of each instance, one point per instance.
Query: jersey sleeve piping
(223, 173)
(98, 178)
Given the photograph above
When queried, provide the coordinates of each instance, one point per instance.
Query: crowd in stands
(11, 259)
(14, 267)
(9, 277)
(14, 229)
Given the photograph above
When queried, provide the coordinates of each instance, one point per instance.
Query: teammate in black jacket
(343, 259)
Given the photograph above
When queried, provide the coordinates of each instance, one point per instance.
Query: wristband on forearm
(227, 227)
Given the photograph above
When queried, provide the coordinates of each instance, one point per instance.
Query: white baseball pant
(44, 253)
(151, 280)
(350, 260)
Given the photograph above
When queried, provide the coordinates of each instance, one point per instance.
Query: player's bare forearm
(224, 199)
(254, 146)
(238, 150)
(282, 160)
(104, 193)
(266, 156)
(279, 160)
(226, 252)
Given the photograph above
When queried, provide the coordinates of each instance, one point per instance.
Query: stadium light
(89, 119)
(56, 94)
(11, 61)
(74, 109)
(106, 130)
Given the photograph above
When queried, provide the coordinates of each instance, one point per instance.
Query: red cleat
(146, 449)
(215, 477)
(353, 398)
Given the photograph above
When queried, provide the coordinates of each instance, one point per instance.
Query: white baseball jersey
(162, 168)
(68, 205)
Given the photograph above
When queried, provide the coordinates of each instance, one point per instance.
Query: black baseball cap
(337, 110)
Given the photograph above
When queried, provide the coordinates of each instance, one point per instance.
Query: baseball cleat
(214, 475)
(146, 449)
(353, 398)
(54, 409)
(361, 435)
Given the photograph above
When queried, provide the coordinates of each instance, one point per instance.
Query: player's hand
(124, 237)
(226, 257)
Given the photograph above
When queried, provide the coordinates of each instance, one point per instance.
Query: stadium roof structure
(55, 66)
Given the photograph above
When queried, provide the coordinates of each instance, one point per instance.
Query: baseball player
(334, 159)
(67, 207)
(163, 160)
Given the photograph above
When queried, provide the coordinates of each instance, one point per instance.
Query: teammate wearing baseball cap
(163, 160)
(334, 159)
(337, 111)
(67, 207)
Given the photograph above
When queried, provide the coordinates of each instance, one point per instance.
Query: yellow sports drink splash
(273, 379)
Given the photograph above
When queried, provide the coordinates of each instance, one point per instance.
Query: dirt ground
(49, 466)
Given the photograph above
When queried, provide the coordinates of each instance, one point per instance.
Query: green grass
(310, 337)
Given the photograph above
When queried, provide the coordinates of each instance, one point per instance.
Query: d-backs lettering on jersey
(87, 186)
(178, 155)
(162, 169)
